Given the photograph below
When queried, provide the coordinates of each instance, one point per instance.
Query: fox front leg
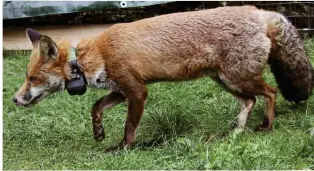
(106, 102)
(136, 95)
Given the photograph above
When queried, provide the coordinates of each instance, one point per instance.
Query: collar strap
(72, 54)
(77, 83)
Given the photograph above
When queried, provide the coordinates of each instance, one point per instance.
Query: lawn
(186, 125)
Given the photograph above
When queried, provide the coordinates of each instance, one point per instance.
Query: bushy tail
(288, 60)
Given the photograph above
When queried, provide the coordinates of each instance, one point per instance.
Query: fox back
(181, 46)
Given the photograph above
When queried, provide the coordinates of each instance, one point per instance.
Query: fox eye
(32, 79)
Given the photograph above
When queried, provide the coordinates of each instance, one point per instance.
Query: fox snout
(22, 100)
(27, 96)
(27, 99)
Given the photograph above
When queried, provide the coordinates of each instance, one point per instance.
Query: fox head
(45, 71)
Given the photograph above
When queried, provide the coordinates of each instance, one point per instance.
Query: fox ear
(48, 48)
(33, 36)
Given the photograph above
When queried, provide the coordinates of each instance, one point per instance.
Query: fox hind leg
(247, 104)
(269, 94)
(245, 91)
(241, 72)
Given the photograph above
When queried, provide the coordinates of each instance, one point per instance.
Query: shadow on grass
(164, 125)
(296, 106)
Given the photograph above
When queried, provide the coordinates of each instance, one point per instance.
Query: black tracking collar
(77, 83)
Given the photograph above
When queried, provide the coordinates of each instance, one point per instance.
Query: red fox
(232, 45)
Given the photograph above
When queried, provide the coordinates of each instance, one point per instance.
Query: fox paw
(99, 137)
(113, 149)
(263, 127)
(120, 147)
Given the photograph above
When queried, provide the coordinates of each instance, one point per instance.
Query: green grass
(183, 127)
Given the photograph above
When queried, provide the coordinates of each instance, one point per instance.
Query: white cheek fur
(52, 82)
(56, 81)
(35, 91)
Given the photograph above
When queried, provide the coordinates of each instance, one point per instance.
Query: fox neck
(99, 79)
(96, 78)
(76, 85)
(91, 61)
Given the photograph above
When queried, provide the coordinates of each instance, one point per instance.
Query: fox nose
(14, 100)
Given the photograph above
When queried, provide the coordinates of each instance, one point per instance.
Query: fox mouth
(31, 103)
(35, 99)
